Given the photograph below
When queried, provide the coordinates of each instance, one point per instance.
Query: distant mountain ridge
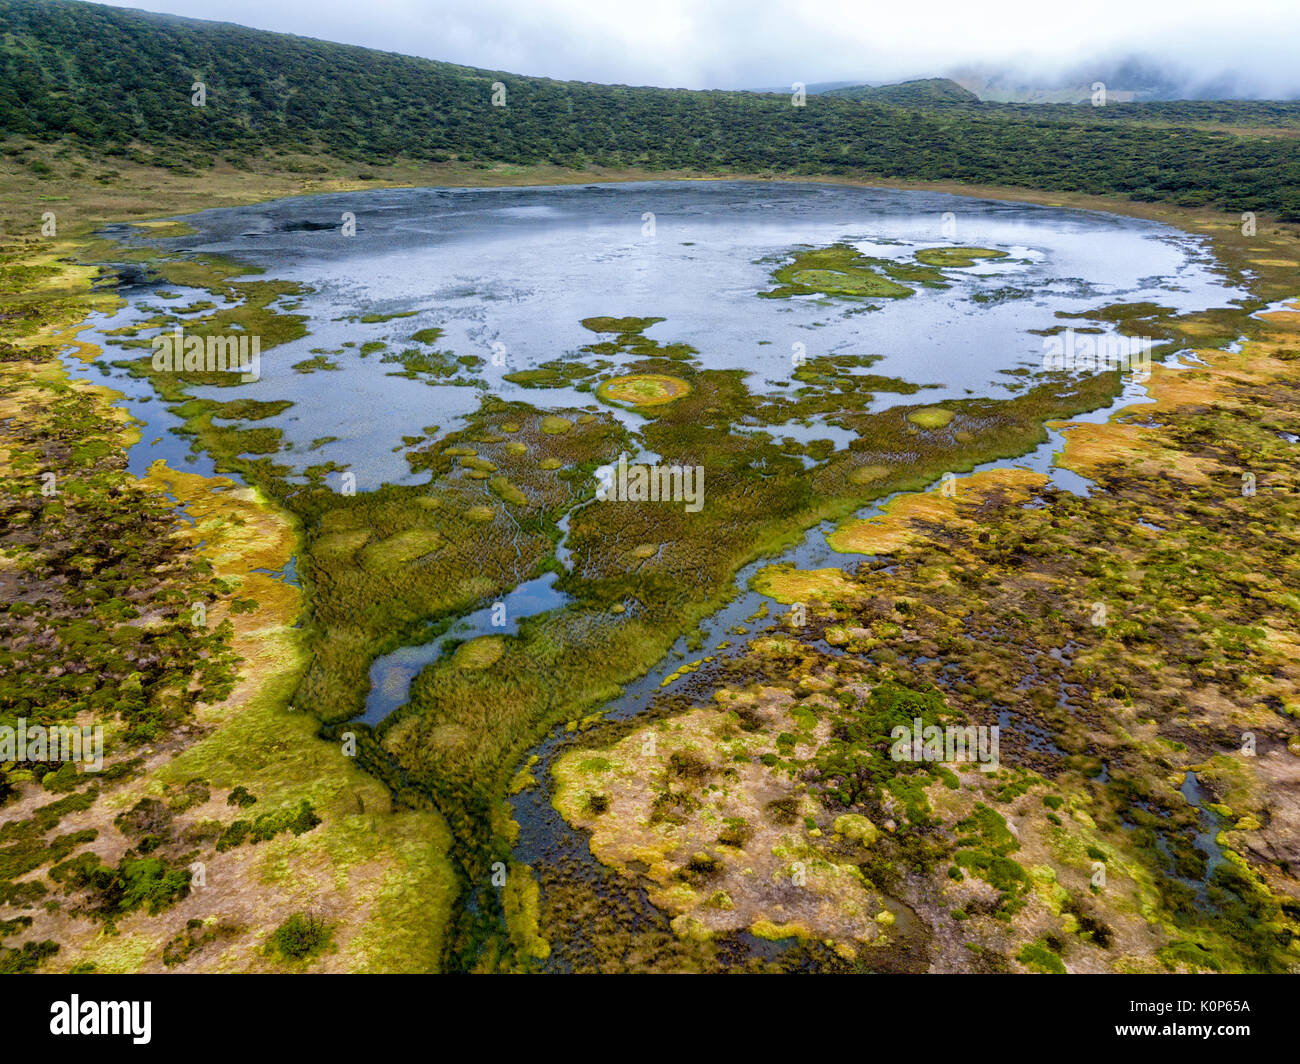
(1129, 79)
(919, 91)
(1133, 79)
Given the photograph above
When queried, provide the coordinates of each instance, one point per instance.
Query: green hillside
(120, 82)
(909, 93)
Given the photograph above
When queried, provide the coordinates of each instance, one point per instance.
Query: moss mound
(947, 258)
(479, 653)
(643, 389)
(553, 425)
(930, 417)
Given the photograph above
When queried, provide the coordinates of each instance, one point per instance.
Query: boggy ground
(219, 817)
(642, 573)
(1138, 648)
(629, 600)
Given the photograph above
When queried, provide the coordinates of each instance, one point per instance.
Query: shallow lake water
(512, 273)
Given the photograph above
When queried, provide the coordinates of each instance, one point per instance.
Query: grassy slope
(120, 80)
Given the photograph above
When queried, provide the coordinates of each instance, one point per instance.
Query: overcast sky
(759, 43)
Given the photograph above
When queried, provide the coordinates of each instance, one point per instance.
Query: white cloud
(751, 43)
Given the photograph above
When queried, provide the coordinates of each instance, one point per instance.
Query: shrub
(301, 936)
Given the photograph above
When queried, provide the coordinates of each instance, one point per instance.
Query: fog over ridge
(1193, 48)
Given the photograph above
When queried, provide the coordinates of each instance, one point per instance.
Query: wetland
(631, 735)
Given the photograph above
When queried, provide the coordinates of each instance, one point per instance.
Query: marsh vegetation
(771, 749)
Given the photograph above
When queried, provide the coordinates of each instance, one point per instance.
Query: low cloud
(757, 43)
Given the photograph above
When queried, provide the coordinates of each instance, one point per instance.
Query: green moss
(857, 761)
(522, 906)
(619, 325)
(838, 270)
(956, 257)
(507, 491)
(479, 653)
(930, 417)
(856, 828)
(400, 549)
(643, 389)
(1038, 957)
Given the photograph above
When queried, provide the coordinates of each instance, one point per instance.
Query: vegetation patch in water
(479, 653)
(643, 389)
(956, 257)
(311, 365)
(930, 417)
(787, 584)
(556, 374)
(623, 326)
(839, 270)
